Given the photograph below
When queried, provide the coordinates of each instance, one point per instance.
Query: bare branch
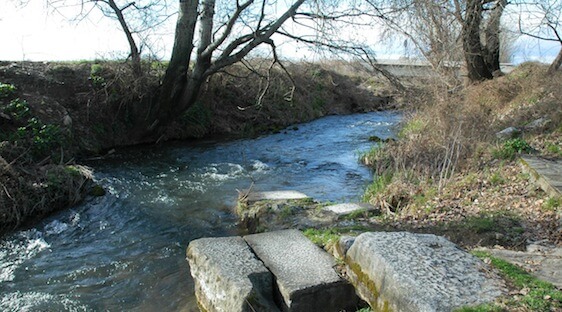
(239, 9)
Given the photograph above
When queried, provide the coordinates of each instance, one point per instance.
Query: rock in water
(305, 275)
(228, 276)
(402, 271)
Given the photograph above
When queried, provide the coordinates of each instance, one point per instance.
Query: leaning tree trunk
(135, 54)
(476, 66)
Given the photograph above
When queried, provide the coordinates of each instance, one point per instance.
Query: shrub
(17, 109)
(7, 90)
(511, 148)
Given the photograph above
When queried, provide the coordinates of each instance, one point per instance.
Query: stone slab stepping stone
(545, 263)
(402, 271)
(546, 173)
(348, 208)
(304, 273)
(275, 195)
(229, 277)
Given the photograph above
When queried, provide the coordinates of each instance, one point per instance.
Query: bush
(511, 148)
(17, 109)
(7, 90)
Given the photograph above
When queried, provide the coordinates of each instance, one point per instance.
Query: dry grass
(253, 98)
(450, 137)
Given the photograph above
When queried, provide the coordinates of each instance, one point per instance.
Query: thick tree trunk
(176, 76)
(492, 37)
(555, 64)
(181, 86)
(476, 65)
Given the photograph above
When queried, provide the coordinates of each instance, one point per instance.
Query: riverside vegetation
(446, 174)
(449, 174)
(53, 115)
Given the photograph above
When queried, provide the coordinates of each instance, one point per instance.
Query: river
(126, 250)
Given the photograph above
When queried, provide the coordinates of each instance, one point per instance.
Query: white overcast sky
(29, 33)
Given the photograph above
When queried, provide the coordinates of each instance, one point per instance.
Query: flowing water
(126, 250)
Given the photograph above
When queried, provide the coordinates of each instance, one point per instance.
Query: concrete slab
(546, 173)
(304, 273)
(348, 208)
(275, 195)
(543, 263)
(408, 272)
(228, 276)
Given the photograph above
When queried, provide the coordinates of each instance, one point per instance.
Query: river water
(126, 250)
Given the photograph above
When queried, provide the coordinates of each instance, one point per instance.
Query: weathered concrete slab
(304, 273)
(543, 262)
(275, 195)
(273, 215)
(546, 173)
(228, 276)
(402, 271)
(349, 208)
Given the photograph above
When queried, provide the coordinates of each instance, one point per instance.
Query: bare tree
(542, 20)
(445, 32)
(221, 42)
(136, 19)
(430, 26)
(481, 42)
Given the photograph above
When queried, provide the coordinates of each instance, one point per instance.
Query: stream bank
(126, 250)
(54, 114)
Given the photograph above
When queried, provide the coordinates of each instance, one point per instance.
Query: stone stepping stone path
(284, 271)
(304, 273)
(346, 209)
(229, 276)
(547, 174)
(541, 261)
(401, 271)
(275, 195)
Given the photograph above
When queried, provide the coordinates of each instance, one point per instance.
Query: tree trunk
(135, 54)
(176, 74)
(555, 64)
(492, 37)
(181, 86)
(476, 66)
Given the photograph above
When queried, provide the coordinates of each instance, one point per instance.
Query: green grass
(541, 296)
(554, 149)
(412, 127)
(377, 186)
(552, 203)
(322, 237)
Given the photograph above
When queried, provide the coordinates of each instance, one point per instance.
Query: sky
(30, 33)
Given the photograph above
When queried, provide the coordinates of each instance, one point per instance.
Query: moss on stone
(365, 282)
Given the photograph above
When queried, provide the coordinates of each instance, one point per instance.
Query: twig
(7, 193)
(243, 196)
